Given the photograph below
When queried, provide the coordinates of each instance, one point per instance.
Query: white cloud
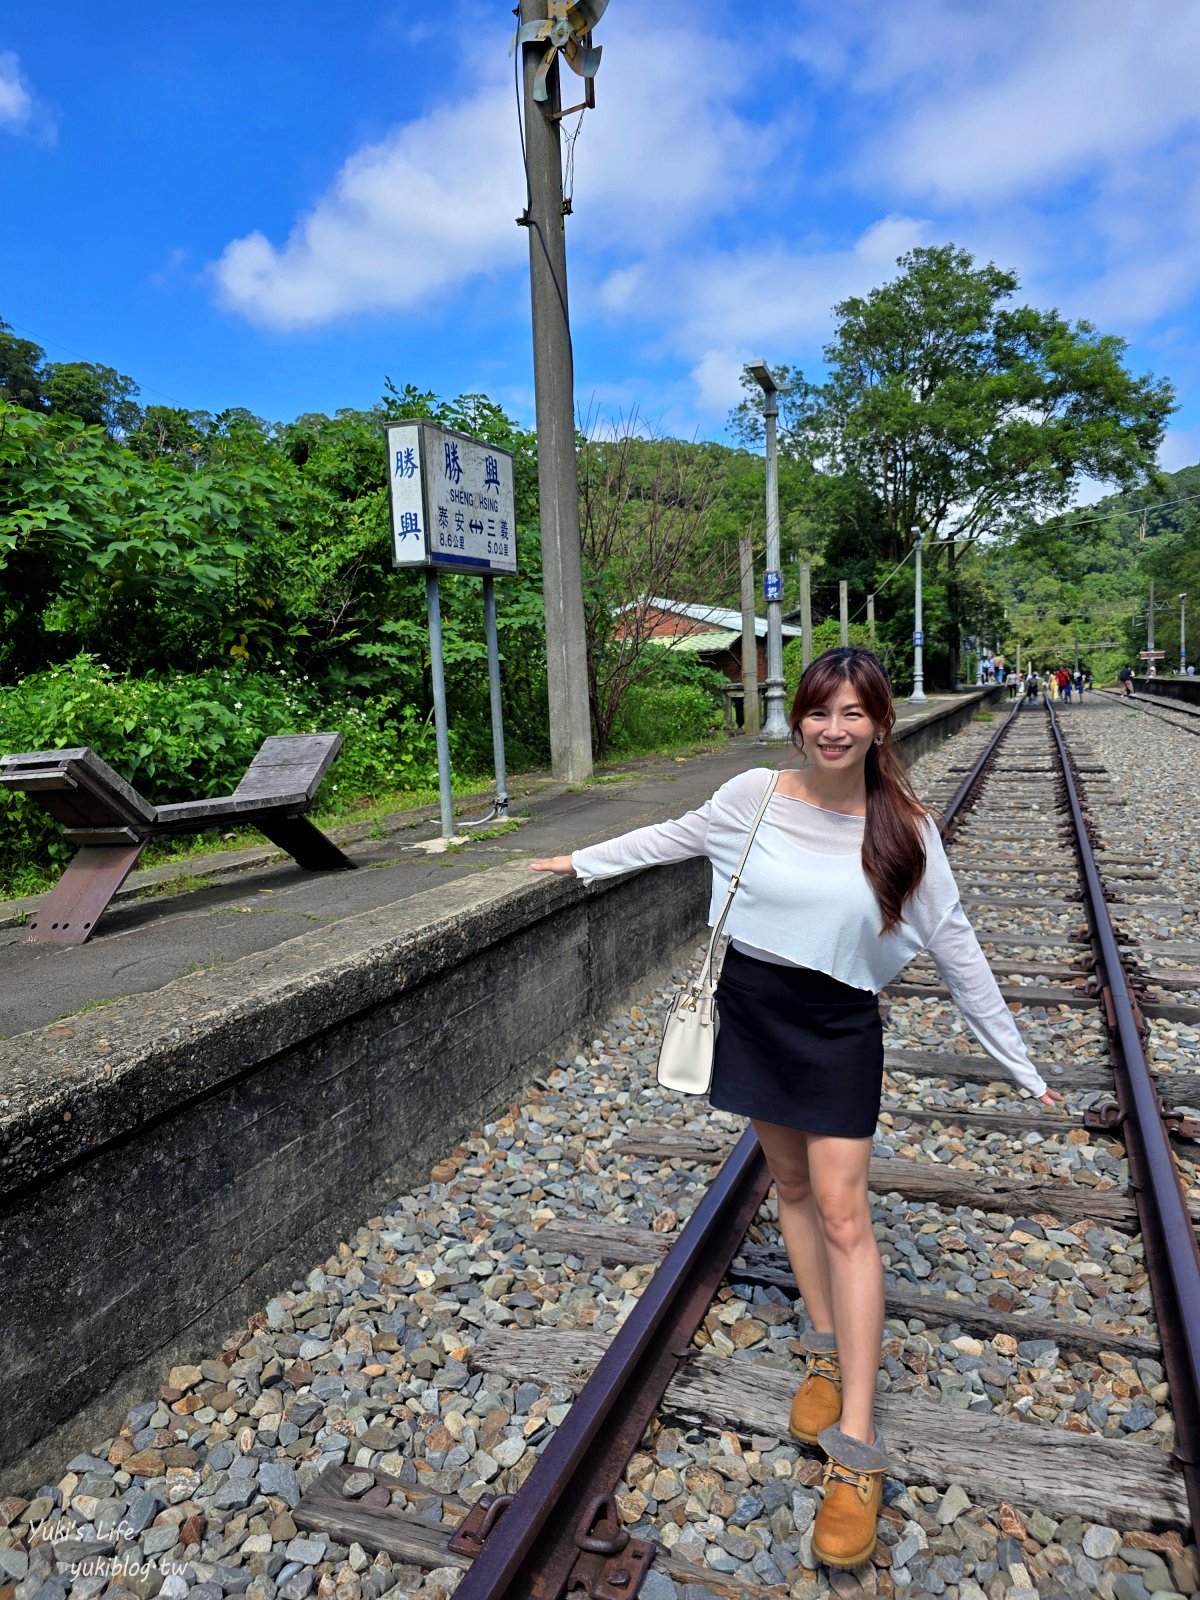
(723, 308)
(433, 205)
(423, 210)
(16, 101)
(1068, 133)
(987, 100)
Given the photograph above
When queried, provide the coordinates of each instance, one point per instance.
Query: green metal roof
(696, 642)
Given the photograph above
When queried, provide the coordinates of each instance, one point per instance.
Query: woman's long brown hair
(893, 853)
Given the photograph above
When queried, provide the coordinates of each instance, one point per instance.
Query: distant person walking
(1125, 677)
(1013, 682)
(1064, 683)
(1031, 684)
(1079, 682)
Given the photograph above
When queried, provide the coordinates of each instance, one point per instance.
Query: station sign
(452, 499)
(1152, 655)
(772, 585)
(918, 638)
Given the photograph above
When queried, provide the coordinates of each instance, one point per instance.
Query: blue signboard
(772, 585)
(918, 638)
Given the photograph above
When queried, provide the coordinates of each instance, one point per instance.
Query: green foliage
(104, 549)
(678, 702)
(958, 414)
(187, 736)
(825, 635)
(654, 717)
(1083, 579)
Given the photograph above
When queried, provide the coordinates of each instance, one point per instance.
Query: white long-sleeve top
(804, 900)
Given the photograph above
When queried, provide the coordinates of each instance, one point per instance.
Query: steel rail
(964, 796)
(1168, 1237)
(1162, 711)
(531, 1550)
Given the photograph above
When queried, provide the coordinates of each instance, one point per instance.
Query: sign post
(454, 509)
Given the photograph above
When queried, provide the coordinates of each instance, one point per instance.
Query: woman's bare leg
(787, 1159)
(838, 1175)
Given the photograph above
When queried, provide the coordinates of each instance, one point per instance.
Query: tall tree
(20, 370)
(963, 414)
(95, 394)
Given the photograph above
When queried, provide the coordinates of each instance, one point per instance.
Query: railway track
(1020, 824)
(1174, 713)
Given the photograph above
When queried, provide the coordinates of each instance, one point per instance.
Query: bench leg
(79, 898)
(305, 843)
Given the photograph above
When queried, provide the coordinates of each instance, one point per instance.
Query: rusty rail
(548, 1530)
(1168, 1237)
(964, 796)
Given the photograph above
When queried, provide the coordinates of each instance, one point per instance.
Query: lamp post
(775, 730)
(1182, 636)
(918, 696)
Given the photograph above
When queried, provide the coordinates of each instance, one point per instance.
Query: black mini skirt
(796, 1047)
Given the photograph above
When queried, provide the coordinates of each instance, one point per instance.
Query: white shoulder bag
(685, 1057)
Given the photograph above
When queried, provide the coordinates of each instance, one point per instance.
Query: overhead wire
(1141, 514)
(142, 388)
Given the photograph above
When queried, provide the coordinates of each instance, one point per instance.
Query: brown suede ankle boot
(818, 1400)
(845, 1530)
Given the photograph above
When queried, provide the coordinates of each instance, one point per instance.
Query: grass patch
(183, 885)
(88, 1005)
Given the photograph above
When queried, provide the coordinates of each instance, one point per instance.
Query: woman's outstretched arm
(653, 846)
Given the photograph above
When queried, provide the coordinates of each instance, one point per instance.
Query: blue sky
(275, 206)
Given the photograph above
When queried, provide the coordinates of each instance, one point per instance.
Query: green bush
(656, 715)
(824, 636)
(187, 736)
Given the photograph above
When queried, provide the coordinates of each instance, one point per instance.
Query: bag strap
(706, 968)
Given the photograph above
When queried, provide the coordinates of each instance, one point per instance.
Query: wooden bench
(111, 824)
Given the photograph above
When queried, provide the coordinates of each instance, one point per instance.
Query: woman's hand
(1050, 1096)
(561, 865)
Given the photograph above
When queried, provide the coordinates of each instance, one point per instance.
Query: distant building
(714, 633)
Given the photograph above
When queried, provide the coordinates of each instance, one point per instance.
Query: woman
(845, 882)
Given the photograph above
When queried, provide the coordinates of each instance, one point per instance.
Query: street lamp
(1182, 636)
(918, 697)
(776, 729)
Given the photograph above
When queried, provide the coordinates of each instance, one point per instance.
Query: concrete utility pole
(805, 615)
(776, 729)
(750, 719)
(871, 619)
(918, 696)
(1150, 633)
(554, 385)
(844, 611)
